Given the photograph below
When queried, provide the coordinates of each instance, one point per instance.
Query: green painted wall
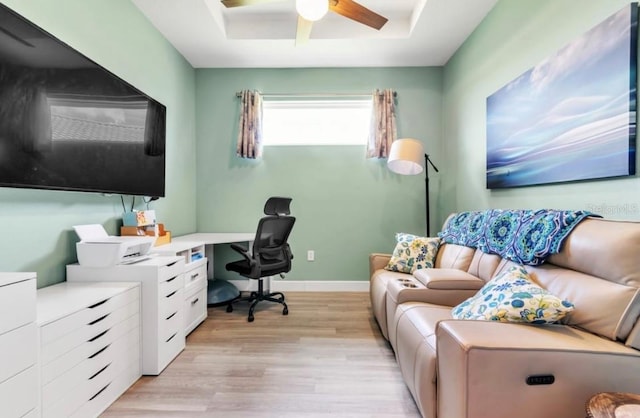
(36, 225)
(346, 206)
(515, 36)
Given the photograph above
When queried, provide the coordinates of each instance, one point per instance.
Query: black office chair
(270, 255)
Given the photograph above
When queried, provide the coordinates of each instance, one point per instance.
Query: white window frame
(312, 122)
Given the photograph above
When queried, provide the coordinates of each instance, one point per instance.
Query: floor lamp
(407, 157)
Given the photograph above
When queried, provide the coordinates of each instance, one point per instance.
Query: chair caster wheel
(285, 311)
(250, 318)
(229, 308)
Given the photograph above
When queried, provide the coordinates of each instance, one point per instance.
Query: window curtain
(383, 124)
(250, 128)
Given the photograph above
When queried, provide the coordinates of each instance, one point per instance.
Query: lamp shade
(406, 157)
(312, 9)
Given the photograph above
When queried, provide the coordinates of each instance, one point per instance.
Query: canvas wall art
(571, 117)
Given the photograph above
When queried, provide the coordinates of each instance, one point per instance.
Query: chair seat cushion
(242, 267)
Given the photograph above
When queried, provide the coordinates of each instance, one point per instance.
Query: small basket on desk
(162, 236)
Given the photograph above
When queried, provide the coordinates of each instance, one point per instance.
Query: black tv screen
(66, 123)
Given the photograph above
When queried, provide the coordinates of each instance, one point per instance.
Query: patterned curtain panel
(250, 129)
(383, 124)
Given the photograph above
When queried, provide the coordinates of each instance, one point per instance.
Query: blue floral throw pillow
(412, 253)
(513, 297)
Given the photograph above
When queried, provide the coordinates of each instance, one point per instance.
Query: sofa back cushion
(484, 265)
(605, 249)
(602, 307)
(453, 256)
(598, 270)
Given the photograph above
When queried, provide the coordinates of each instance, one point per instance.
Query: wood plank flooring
(327, 358)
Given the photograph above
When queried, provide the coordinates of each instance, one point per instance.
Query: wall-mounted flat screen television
(66, 123)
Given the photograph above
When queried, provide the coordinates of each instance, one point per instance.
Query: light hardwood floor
(327, 358)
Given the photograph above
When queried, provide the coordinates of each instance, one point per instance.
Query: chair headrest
(277, 206)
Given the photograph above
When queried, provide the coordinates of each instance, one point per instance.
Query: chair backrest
(277, 206)
(270, 246)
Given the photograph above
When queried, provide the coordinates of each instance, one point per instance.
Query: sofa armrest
(409, 289)
(377, 261)
(448, 279)
(483, 368)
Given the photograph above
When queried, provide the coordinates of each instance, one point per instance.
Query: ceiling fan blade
(303, 32)
(355, 11)
(238, 3)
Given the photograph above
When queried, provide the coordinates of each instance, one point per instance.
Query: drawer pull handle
(193, 276)
(95, 305)
(98, 320)
(172, 279)
(171, 338)
(98, 336)
(100, 371)
(193, 302)
(171, 264)
(99, 351)
(99, 392)
(171, 316)
(171, 294)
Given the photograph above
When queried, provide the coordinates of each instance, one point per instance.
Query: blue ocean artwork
(571, 117)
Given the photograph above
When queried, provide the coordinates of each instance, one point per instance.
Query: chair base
(255, 297)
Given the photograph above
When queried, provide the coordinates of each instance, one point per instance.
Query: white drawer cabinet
(195, 280)
(195, 291)
(18, 345)
(162, 281)
(89, 346)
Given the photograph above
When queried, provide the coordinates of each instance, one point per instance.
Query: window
(316, 122)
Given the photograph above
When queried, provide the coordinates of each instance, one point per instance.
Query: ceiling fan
(312, 10)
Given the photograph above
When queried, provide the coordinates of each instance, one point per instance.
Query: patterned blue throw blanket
(522, 236)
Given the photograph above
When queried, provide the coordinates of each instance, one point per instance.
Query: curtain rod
(239, 94)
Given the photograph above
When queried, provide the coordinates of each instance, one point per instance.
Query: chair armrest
(239, 248)
(483, 368)
(378, 261)
(245, 253)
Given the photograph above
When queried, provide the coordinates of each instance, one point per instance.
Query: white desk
(217, 237)
(212, 238)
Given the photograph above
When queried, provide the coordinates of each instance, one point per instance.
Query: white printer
(97, 249)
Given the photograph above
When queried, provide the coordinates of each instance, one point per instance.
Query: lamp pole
(427, 161)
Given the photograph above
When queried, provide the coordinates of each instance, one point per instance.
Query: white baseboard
(304, 286)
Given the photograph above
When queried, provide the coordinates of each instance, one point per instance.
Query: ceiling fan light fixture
(312, 9)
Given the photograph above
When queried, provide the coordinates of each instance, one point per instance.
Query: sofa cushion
(414, 254)
(453, 256)
(513, 297)
(592, 297)
(607, 250)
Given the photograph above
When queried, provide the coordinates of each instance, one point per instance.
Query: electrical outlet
(311, 255)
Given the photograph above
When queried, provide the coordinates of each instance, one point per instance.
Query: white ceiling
(418, 33)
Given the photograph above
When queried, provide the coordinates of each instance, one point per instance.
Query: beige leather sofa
(484, 369)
